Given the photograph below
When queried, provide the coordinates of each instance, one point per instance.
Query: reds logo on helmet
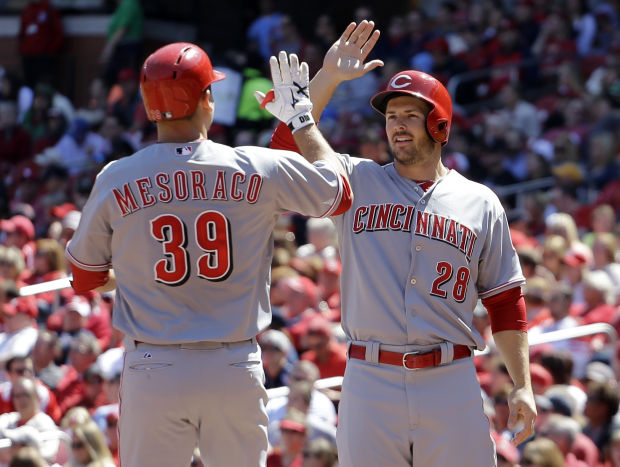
(405, 81)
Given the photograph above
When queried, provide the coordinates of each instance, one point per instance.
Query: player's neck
(180, 132)
(417, 173)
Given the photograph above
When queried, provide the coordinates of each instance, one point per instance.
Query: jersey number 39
(211, 232)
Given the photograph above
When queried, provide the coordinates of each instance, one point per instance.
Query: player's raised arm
(289, 101)
(345, 60)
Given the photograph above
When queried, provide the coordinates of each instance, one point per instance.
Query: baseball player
(419, 246)
(186, 225)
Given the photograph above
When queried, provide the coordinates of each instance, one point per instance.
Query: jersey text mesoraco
(183, 185)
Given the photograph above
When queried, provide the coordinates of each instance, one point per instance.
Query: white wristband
(300, 121)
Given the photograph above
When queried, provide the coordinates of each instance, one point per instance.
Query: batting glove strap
(300, 121)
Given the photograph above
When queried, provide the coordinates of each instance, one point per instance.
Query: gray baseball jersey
(187, 229)
(415, 263)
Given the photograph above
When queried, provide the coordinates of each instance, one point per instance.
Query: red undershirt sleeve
(84, 280)
(346, 200)
(507, 310)
(282, 138)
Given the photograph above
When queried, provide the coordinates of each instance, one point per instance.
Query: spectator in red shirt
(328, 280)
(100, 320)
(29, 420)
(83, 353)
(87, 312)
(93, 395)
(576, 264)
(49, 265)
(290, 451)
(323, 350)
(300, 306)
(40, 39)
(599, 296)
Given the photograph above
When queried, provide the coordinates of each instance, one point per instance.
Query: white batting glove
(289, 100)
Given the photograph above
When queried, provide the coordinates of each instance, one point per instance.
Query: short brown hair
(53, 252)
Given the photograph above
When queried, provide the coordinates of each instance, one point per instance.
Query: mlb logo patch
(184, 150)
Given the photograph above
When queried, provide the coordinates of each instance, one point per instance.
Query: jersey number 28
(446, 272)
(212, 235)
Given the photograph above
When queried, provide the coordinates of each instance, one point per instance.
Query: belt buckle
(415, 352)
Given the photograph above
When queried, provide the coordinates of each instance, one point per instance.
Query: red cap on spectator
(292, 425)
(62, 210)
(574, 259)
(18, 223)
(25, 305)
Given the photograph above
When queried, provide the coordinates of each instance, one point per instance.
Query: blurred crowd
(536, 86)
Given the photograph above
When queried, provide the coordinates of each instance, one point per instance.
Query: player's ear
(207, 99)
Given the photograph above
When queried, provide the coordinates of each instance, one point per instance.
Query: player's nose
(400, 123)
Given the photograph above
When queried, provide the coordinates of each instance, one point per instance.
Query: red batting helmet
(173, 78)
(425, 87)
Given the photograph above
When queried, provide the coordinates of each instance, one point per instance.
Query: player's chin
(398, 152)
(404, 157)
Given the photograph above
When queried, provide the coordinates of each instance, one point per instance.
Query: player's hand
(345, 58)
(289, 100)
(522, 414)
